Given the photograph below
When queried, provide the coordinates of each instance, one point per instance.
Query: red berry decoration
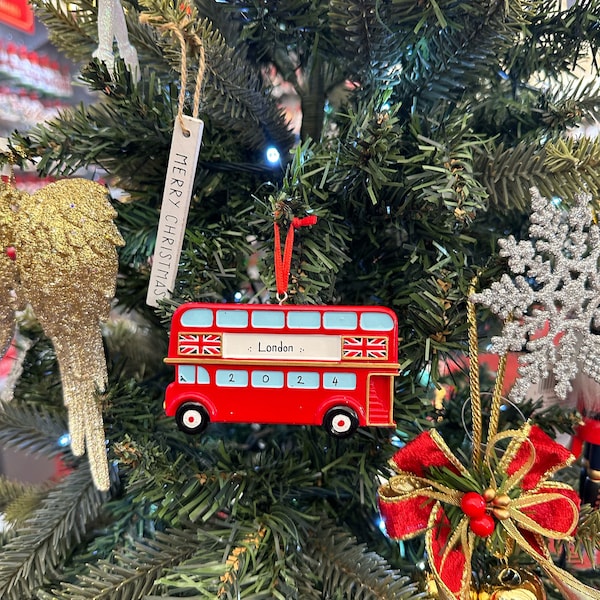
(11, 252)
(473, 504)
(483, 526)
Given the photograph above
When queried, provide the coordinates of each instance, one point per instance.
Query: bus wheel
(191, 417)
(340, 421)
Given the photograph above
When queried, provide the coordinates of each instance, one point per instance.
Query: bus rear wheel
(340, 421)
(192, 417)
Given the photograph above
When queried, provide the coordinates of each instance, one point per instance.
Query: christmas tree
(422, 127)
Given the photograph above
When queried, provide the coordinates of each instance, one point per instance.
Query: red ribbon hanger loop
(283, 263)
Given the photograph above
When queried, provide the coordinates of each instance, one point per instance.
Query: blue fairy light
(64, 440)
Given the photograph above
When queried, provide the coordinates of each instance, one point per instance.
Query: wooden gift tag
(177, 194)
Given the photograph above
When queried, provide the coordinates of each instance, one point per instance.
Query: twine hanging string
(196, 42)
(283, 263)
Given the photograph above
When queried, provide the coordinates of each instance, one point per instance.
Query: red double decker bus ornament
(282, 364)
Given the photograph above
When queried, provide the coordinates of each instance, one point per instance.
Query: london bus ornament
(282, 364)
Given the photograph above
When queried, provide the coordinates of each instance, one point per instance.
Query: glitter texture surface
(554, 296)
(66, 268)
(9, 200)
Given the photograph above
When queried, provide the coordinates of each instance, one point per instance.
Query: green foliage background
(458, 109)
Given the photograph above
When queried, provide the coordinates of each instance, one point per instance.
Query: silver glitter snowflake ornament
(552, 304)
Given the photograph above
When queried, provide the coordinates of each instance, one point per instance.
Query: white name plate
(289, 346)
(177, 195)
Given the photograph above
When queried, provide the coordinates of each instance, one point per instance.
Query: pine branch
(233, 91)
(446, 14)
(236, 97)
(370, 37)
(449, 54)
(10, 491)
(238, 561)
(509, 172)
(20, 509)
(349, 571)
(561, 168)
(87, 134)
(32, 428)
(131, 572)
(134, 346)
(47, 538)
(371, 156)
(219, 267)
(18, 501)
(269, 42)
(572, 165)
(448, 179)
(555, 41)
(72, 27)
(569, 103)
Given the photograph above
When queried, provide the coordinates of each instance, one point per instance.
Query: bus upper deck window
(232, 318)
(340, 320)
(272, 319)
(197, 317)
(376, 321)
(304, 319)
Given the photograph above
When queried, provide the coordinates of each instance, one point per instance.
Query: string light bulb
(272, 155)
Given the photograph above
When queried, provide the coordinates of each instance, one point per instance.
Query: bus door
(380, 399)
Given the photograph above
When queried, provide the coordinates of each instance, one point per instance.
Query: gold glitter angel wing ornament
(8, 270)
(65, 265)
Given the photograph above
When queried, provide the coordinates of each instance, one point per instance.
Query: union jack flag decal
(199, 344)
(364, 347)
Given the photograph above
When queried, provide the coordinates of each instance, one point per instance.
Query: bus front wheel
(192, 417)
(340, 421)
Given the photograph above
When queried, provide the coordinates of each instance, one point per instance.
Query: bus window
(202, 375)
(304, 319)
(186, 374)
(376, 321)
(340, 320)
(232, 318)
(303, 379)
(231, 378)
(270, 379)
(339, 381)
(197, 317)
(273, 319)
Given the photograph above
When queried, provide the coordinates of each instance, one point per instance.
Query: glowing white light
(272, 155)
